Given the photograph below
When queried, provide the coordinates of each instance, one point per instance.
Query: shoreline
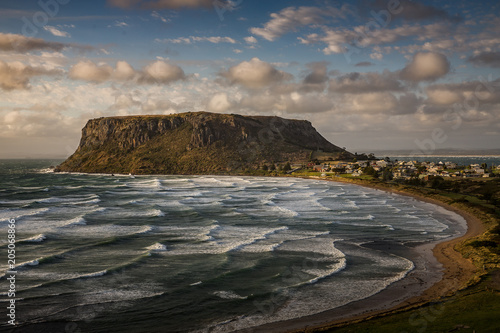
(456, 273)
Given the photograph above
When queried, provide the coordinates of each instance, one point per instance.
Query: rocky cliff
(193, 143)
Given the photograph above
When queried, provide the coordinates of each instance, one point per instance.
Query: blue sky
(369, 74)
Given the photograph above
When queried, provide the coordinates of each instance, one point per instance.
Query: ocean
(102, 253)
(459, 160)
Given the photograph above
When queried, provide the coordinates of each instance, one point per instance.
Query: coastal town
(404, 170)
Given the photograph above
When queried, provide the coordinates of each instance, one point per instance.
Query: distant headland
(195, 143)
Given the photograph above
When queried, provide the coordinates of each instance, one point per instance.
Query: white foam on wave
(329, 271)
(8, 214)
(319, 245)
(223, 239)
(158, 213)
(150, 184)
(34, 262)
(369, 217)
(92, 275)
(228, 295)
(75, 222)
(71, 200)
(157, 247)
(144, 230)
(35, 239)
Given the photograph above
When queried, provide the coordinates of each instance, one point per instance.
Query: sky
(370, 74)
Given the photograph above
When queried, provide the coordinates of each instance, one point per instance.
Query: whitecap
(35, 239)
(228, 295)
(91, 275)
(157, 247)
(34, 262)
(74, 222)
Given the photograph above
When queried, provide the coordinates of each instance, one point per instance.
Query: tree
(265, 167)
(369, 170)
(387, 175)
(287, 167)
(273, 167)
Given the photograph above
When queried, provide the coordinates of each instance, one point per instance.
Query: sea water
(199, 253)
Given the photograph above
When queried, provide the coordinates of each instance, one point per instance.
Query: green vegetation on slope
(475, 309)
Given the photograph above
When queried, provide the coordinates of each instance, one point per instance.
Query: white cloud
(124, 71)
(255, 74)
(16, 75)
(215, 39)
(426, 66)
(251, 40)
(56, 32)
(193, 39)
(219, 103)
(157, 15)
(161, 72)
(292, 18)
(237, 51)
(338, 40)
(86, 70)
(120, 24)
(153, 105)
(360, 83)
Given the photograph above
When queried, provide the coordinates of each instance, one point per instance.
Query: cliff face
(193, 143)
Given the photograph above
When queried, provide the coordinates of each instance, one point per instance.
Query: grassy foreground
(475, 307)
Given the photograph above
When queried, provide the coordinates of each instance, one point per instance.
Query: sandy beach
(439, 271)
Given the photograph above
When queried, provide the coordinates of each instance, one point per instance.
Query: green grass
(475, 309)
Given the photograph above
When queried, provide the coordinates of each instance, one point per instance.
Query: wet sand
(439, 271)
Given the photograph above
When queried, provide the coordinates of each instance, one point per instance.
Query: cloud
(426, 66)
(123, 71)
(466, 93)
(255, 74)
(158, 105)
(361, 83)
(167, 4)
(292, 18)
(318, 73)
(56, 32)
(86, 70)
(489, 59)
(297, 103)
(159, 72)
(162, 73)
(120, 24)
(364, 64)
(251, 40)
(193, 39)
(339, 40)
(22, 44)
(157, 15)
(219, 103)
(16, 75)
